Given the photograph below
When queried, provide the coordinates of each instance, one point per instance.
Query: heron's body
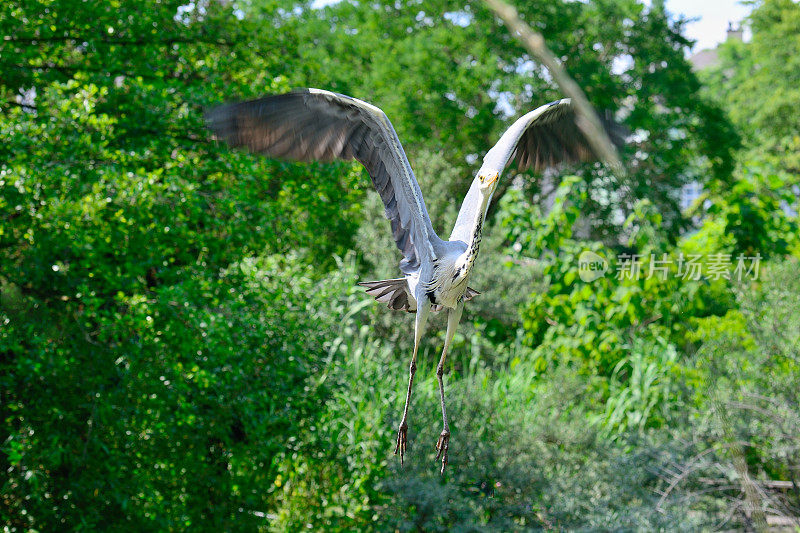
(320, 125)
(443, 282)
(446, 284)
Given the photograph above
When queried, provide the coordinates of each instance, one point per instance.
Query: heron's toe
(442, 446)
(401, 441)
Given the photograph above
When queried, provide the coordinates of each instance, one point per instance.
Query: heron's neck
(474, 242)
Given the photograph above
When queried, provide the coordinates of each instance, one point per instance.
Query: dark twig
(136, 42)
(26, 107)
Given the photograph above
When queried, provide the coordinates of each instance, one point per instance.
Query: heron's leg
(423, 310)
(453, 317)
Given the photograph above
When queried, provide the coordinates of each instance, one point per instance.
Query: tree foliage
(758, 82)
(181, 342)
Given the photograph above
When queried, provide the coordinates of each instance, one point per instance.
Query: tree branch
(138, 42)
(26, 107)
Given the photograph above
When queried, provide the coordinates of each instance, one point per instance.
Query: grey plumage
(394, 293)
(314, 125)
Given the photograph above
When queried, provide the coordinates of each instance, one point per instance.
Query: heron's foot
(441, 448)
(402, 440)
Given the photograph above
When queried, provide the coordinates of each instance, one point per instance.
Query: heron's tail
(393, 292)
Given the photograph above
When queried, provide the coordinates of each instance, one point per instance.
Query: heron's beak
(491, 179)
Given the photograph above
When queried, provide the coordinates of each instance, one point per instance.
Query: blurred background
(182, 345)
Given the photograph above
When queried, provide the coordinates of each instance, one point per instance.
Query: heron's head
(488, 181)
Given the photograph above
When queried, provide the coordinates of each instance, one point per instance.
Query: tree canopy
(181, 342)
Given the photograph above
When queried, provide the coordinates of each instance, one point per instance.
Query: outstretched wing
(317, 125)
(540, 139)
(545, 137)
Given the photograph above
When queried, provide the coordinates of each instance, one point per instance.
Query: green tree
(152, 373)
(181, 349)
(451, 77)
(758, 83)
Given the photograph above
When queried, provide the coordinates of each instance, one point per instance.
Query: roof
(704, 59)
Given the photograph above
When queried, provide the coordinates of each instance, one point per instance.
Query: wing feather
(543, 138)
(316, 125)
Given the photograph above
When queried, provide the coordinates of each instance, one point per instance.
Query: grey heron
(313, 124)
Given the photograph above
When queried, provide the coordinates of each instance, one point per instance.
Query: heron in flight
(318, 125)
